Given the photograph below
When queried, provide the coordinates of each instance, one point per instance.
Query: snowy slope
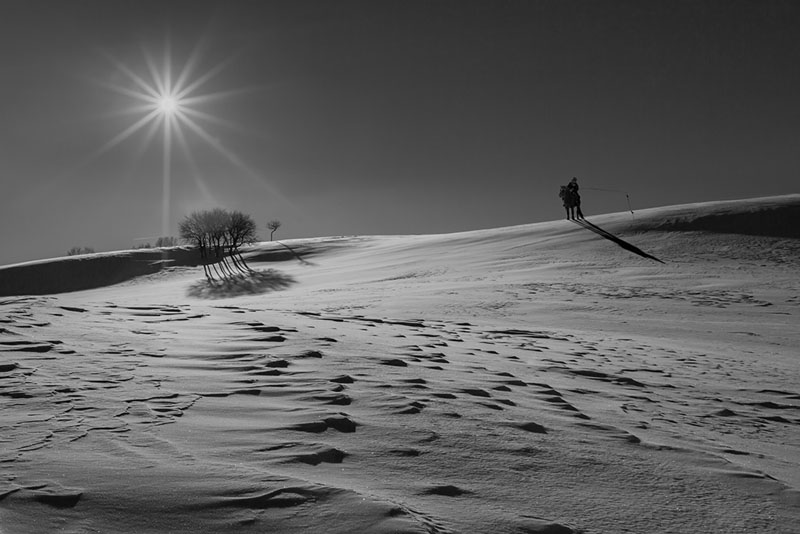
(638, 375)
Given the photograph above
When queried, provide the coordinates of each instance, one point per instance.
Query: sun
(166, 97)
(168, 104)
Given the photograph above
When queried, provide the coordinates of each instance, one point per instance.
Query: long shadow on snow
(299, 251)
(254, 283)
(297, 256)
(611, 237)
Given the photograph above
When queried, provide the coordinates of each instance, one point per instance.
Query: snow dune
(635, 374)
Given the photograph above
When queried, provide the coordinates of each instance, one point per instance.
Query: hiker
(572, 187)
(572, 199)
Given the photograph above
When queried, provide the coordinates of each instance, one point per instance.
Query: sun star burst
(169, 104)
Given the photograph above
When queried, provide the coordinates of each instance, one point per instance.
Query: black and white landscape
(303, 266)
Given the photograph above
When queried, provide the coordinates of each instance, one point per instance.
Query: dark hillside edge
(63, 275)
(767, 218)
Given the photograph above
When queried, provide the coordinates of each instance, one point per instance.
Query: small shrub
(77, 251)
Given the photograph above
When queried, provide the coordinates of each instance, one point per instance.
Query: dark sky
(375, 117)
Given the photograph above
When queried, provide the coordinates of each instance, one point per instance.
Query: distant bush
(169, 241)
(77, 251)
(166, 242)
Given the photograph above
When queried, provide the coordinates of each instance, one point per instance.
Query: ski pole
(627, 196)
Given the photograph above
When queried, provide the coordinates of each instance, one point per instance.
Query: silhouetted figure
(572, 187)
(572, 199)
(565, 198)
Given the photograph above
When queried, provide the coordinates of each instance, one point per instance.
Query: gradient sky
(389, 117)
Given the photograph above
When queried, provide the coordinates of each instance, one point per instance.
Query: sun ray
(205, 78)
(235, 160)
(126, 133)
(188, 68)
(136, 110)
(167, 176)
(183, 143)
(195, 171)
(167, 79)
(214, 143)
(155, 75)
(208, 117)
(152, 133)
(221, 95)
(138, 80)
(126, 91)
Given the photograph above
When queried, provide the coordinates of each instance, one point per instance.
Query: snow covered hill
(633, 373)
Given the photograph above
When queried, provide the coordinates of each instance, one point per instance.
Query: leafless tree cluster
(219, 234)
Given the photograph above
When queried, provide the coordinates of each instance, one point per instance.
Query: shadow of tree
(611, 237)
(253, 283)
(297, 256)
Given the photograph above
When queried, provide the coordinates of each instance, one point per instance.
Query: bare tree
(219, 235)
(215, 225)
(192, 230)
(241, 231)
(273, 225)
